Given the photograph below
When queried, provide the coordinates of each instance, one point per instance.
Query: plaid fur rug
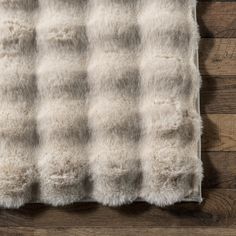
(98, 99)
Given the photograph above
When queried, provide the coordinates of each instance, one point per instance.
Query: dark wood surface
(217, 214)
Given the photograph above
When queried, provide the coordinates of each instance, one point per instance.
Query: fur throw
(98, 100)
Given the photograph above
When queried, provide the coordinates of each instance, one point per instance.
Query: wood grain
(218, 209)
(218, 67)
(217, 19)
(217, 57)
(128, 231)
(218, 95)
(219, 132)
(219, 170)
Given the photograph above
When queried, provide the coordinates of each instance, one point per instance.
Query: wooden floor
(217, 214)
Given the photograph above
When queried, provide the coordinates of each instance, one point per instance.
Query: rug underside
(98, 99)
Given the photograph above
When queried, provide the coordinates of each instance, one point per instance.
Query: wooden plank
(219, 170)
(128, 231)
(216, 1)
(219, 132)
(217, 57)
(217, 19)
(218, 209)
(218, 95)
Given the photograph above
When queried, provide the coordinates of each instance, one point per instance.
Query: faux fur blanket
(98, 100)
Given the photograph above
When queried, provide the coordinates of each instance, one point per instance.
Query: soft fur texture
(98, 100)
